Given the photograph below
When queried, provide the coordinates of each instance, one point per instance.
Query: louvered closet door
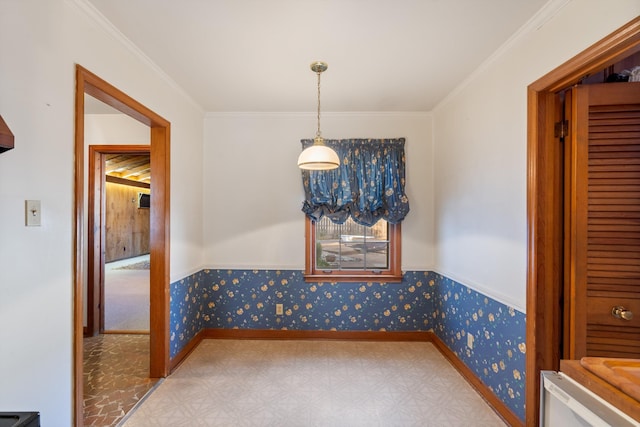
(605, 222)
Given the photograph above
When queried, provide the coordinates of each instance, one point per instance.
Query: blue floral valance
(368, 185)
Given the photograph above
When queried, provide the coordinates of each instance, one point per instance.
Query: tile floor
(116, 376)
(313, 383)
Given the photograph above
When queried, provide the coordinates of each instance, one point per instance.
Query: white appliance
(566, 403)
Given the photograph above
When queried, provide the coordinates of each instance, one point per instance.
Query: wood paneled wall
(127, 226)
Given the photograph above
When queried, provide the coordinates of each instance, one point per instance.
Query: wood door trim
(89, 83)
(544, 205)
(94, 245)
(577, 192)
(128, 182)
(569, 229)
(616, 46)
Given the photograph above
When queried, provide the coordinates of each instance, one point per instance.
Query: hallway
(126, 294)
(116, 376)
(116, 364)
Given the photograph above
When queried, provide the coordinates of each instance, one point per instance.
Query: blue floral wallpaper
(497, 355)
(186, 304)
(246, 299)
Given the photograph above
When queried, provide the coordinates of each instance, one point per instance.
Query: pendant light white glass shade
(318, 157)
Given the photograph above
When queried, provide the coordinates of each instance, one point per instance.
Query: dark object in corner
(144, 200)
(19, 419)
(617, 78)
(6, 137)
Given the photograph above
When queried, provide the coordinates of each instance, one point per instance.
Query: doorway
(545, 205)
(89, 83)
(119, 242)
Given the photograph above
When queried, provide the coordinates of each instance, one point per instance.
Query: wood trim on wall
(95, 244)
(159, 247)
(279, 334)
(129, 182)
(498, 406)
(78, 271)
(545, 205)
(545, 252)
(89, 83)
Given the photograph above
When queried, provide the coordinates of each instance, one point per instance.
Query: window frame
(392, 274)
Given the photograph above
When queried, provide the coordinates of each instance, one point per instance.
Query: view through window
(351, 246)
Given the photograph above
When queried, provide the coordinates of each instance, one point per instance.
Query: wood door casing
(604, 211)
(95, 270)
(545, 239)
(97, 226)
(159, 364)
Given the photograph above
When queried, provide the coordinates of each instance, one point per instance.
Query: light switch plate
(32, 213)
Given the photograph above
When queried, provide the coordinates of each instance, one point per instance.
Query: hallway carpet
(116, 376)
(126, 295)
(313, 383)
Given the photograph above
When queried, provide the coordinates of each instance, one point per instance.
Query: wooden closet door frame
(545, 272)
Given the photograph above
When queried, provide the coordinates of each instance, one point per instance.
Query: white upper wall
(480, 163)
(253, 188)
(41, 43)
(480, 134)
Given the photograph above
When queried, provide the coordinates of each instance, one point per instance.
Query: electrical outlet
(279, 309)
(469, 340)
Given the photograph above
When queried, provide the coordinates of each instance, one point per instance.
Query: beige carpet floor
(313, 383)
(126, 294)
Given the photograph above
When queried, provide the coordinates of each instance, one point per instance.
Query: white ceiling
(254, 55)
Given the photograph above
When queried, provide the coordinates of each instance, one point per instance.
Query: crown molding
(96, 16)
(536, 22)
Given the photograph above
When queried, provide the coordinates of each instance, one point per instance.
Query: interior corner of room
(151, 225)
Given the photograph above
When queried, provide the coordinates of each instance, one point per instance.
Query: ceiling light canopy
(318, 156)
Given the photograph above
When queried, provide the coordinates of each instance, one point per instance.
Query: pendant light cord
(318, 132)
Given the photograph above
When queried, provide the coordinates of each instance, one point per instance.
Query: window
(365, 197)
(352, 252)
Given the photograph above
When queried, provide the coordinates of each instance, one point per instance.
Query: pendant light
(318, 156)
